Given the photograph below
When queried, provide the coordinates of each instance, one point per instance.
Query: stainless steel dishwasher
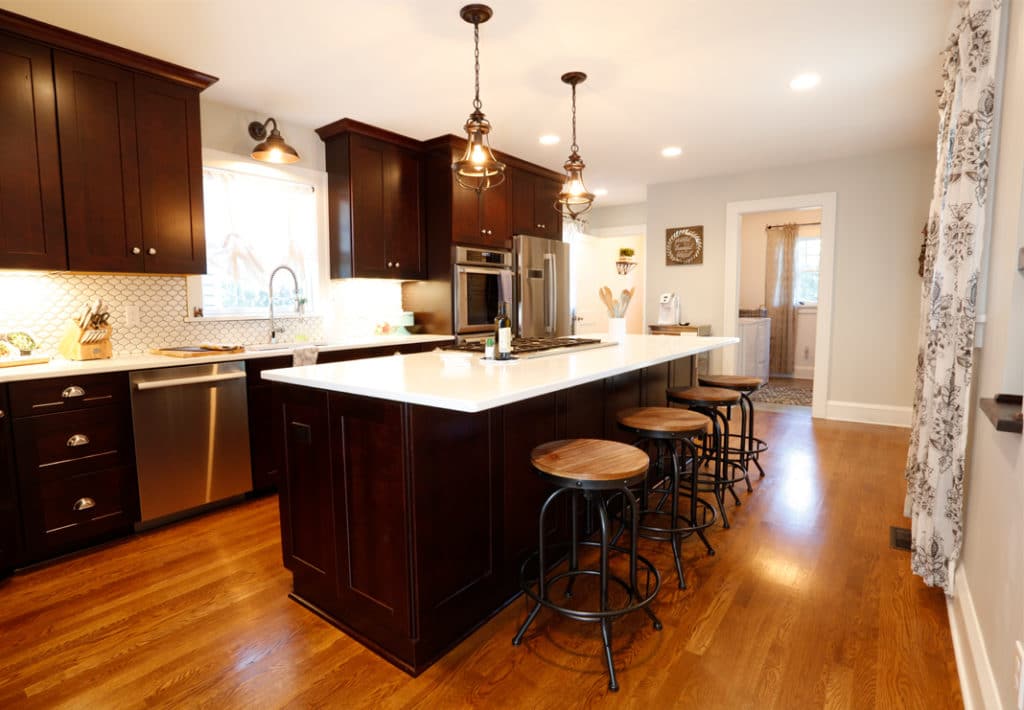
(191, 437)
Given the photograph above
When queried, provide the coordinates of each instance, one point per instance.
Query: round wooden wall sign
(684, 245)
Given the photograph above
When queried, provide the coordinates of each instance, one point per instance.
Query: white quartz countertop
(466, 383)
(60, 367)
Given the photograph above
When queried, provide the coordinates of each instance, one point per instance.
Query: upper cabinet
(533, 204)
(123, 192)
(376, 215)
(31, 212)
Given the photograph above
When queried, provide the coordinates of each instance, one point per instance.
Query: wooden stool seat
(663, 419)
(594, 460)
(711, 395)
(731, 382)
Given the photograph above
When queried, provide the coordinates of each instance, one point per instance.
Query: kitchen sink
(280, 346)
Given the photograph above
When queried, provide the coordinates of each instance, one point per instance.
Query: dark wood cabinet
(102, 166)
(533, 205)
(31, 207)
(75, 463)
(10, 515)
(170, 176)
(376, 215)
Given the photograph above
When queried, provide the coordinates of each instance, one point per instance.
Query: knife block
(72, 349)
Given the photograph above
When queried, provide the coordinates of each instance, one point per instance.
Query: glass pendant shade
(478, 169)
(574, 199)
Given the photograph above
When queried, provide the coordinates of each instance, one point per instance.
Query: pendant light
(271, 148)
(478, 169)
(574, 199)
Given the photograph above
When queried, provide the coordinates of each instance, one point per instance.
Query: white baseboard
(887, 414)
(977, 682)
(803, 372)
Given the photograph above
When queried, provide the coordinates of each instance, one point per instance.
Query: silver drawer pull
(84, 504)
(72, 391)
(78, 440)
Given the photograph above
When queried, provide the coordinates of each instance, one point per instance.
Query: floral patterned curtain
(953, 251)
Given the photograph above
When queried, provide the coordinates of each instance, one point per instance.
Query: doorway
(810, 278)
(594, 265)
(777, 339)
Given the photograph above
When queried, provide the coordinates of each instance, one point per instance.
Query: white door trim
(734, 212)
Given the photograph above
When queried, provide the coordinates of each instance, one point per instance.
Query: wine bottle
(503, 333)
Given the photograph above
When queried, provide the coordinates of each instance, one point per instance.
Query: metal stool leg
(694, 470)
(723, 453)
(754, 456)
(634, 556)
(675, 516)
(573, 553)
(746, 439)
(606, 624)
(541, 582)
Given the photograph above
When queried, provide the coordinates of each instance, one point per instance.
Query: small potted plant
(625, 263)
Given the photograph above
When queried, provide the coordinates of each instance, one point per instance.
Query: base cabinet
(10, 517)
(406, 526)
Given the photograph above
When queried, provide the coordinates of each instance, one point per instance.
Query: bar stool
(672, 431)
(727, 473)
(594, 468)
(750, 447)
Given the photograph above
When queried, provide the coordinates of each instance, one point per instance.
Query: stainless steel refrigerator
(541, 287)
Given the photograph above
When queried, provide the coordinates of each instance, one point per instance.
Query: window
(805, 278)
(253, 225)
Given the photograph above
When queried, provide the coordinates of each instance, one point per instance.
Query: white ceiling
(708, 75)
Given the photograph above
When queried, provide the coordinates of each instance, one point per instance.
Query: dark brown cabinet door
(31, 210)
(100, 163)
(371, 509)
(494, 219)
(522, 206)
(307, 513)
(547, 219)
(9, 515)
(407, 244)
(170, 176)
(368, 164)
(466, 227)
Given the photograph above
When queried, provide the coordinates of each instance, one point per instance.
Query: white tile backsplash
(42, 304)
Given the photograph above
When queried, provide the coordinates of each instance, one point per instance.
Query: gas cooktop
(536, 347)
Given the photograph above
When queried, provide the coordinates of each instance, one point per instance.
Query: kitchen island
(408, 502)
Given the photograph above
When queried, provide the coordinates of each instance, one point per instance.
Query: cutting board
(24, 361)
(194, 351)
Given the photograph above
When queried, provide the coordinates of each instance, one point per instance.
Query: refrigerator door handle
(550, 294)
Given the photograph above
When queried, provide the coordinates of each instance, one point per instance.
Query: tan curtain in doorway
(779, 262)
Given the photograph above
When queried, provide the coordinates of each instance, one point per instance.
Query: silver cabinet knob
(77, 440)
(72, 392)
(397, 265)
(390, 265)
(136, 250)
(483, 231)
(83, 504)
(151, 251)
(3, 414)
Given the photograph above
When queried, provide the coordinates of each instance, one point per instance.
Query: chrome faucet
(295, 295)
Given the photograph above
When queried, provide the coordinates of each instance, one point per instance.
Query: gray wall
(225, 128)
(882, 204)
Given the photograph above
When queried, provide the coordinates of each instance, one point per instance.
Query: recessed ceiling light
(549, 139)
(600, 192)
(804, 82)
(672, 151)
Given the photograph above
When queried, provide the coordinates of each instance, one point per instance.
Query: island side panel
(456, 460)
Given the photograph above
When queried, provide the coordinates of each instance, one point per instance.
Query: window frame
(317, 179)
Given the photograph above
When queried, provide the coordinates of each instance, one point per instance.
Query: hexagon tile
(42, 304)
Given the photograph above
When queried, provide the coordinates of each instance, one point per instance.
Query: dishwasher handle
(179, 381)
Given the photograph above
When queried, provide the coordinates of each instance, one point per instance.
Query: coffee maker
(668, 309)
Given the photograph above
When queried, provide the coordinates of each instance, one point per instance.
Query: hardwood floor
(804, 606)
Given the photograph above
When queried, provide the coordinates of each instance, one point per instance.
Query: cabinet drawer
(85, 506)
(58, 445)
(64, 394)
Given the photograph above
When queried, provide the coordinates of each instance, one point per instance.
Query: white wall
(882, 205)
(594, 262)
(226, 128)
(803, 342)
(753, 243)
(993, 554)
